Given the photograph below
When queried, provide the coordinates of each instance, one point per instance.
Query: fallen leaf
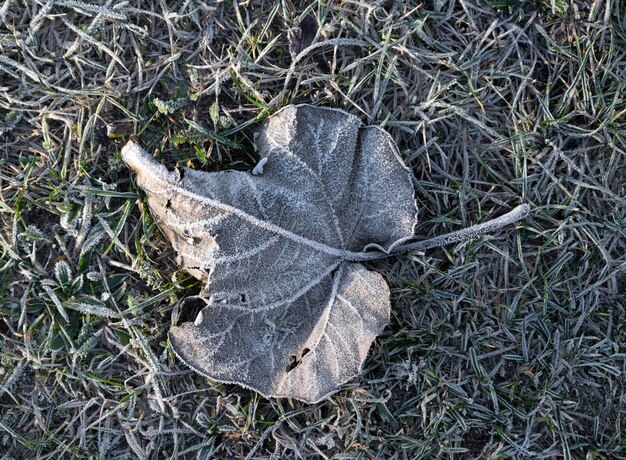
(290, 310)
(302, 35)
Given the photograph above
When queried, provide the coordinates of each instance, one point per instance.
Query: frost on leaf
(290, 310)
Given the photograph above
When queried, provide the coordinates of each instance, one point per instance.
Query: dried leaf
(290, 311)
(302, 35)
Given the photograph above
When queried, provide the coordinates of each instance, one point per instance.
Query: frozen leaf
(302, 35)
(169, 107)
(214, 113)
(290, 311)
(63, 272)
(10, 122)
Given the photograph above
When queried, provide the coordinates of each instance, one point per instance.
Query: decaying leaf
(302, 35)
(291, 312)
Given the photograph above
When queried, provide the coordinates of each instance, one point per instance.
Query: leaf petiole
(458, 236)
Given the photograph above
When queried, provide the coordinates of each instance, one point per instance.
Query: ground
(510, 346)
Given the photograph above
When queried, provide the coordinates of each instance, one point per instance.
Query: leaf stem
(458, 236)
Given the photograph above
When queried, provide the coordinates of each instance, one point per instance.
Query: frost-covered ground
(509, 347)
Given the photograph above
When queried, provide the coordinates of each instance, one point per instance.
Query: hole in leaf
(294, 361)
(168, 204)
(243, 298)
(189, 309)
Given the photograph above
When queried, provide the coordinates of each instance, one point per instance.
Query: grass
(512, 346)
